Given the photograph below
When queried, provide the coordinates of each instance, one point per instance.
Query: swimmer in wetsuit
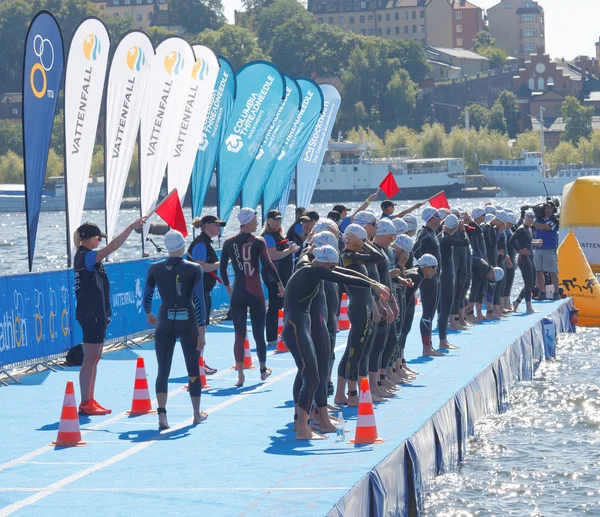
(182, 315)
(246, 253)
(428, 244)
(478, 255)
(511, 254)
(303, 286)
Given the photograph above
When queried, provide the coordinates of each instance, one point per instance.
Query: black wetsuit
(386, 339)
(247, 252)
(448, 278)
(416, 275)
(475, 233)
(427, 242)
(499, 291)
(303, 287)
(511, 252)
(522, 239)
(462, 262)
(182, 310)
(479, 273)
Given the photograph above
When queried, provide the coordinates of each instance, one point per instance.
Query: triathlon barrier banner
(265, 160)
(260, 92)
(37, 310)
(309, 166)
(85, 76)
(219, 113)
(124, 97)
(43, 65)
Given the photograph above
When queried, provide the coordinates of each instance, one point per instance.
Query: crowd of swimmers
(452, 261)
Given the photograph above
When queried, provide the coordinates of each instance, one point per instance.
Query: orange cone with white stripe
(203, 383)
(281, 348)
(69, 433)
(366, 430)
(344, 322)
(141, 404)
(248, 355)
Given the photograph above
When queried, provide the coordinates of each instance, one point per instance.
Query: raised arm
(119, 240)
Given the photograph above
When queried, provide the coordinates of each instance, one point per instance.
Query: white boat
(526, 176)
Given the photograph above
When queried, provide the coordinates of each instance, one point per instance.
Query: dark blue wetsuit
(447, 277)
(303, 287)
(92, 290)
(247, 252)
(427, 242)
(522, 239)
(360, 306)
(181, 287)
(284, 266)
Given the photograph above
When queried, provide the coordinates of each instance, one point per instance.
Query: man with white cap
(182, 315)
(247, 253)
(427, 244)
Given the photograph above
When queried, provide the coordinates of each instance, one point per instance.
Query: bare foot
(515, 306)
(327, 428)
(352, 401)
(162, 422)
(376, 398)
(340, 400)
(431, 352)
(409, 370)
(531, 311)
(241, 380)
(265, 375)
(307, 434)
(448, 346)
(331, 407)
(200, 417)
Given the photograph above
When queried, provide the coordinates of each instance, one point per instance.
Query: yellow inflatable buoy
(579, 212)
(578, 281)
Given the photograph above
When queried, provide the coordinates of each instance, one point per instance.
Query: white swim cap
(246, 215)
(455, 211)
(428, 213)
(174, 241)
(530, 213)
(364, 218)
(404, 242)
(400, 225)
(327, 254)
(356, 229)
(385, 227)
(489, 209)
(490, 217)
(323, 225)
(443, 213)
(477, 213)
(411, 222)
(325, 238)
(503, 216)
(498, 274)
(427, 260)
(451, 221)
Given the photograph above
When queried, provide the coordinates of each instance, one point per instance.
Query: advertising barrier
(37, 311)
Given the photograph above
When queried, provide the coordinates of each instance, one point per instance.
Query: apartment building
(518, 27)
(425, 21)
(141, 12)
(467, 21)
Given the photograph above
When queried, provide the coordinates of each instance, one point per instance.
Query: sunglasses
(373, 224)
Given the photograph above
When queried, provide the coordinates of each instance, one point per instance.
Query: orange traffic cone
(344, 322)
(69, 433)
(203, 383)
(281, 348)
(141, 404)
(366, 430)
(248, 356)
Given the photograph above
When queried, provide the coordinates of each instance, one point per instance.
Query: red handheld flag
(439, 201)
(389, 186)
(170, 211)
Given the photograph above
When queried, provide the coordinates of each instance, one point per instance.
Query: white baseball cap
(327, 254)
(477, 213)
(174, 241)
(404, 242)
(246, 215)
(400, 225)
(323, 225)
(451, 221)
(498, 274)
(385, 227)
(411, 222)
(428, 213)
(325, 238)
(427, 260)
(364, 218)
(356, 229)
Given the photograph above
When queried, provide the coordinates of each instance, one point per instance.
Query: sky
(572, 26)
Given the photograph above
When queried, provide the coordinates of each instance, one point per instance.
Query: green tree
(512, 114)
(11, 137)
(527, 141)
(578, 120)
(483, 39)
(237, 43)
(11, 168)
(399, 139)
(117, 26)
(97, 168)
(157, 34)
(292, 46)
(14, 19)
(400, 99)
(198, 15)
(356, 89)
(431, 141)
(278, 12)
(590, 148)
(331, 49)
(57, 139)
(411, 56)
(564, 154)
(478, 116)
(496, 121)
(70, 14)
(365, 135)
(55, 166)
(496, 55)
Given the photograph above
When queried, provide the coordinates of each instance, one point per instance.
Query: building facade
(518, 27)
(428, 22)
(141, 12)
(467, 21)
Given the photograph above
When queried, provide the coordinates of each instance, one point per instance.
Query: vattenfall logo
(91, 47)
(200, 70)
(44, 50)
(173, 63)
(135, 58)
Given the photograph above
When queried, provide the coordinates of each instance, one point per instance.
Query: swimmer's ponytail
(196, 223)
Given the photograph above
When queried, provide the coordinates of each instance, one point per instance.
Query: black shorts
(208, 306)
(94, 331)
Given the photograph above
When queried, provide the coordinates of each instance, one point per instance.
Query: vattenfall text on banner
(124, 98)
